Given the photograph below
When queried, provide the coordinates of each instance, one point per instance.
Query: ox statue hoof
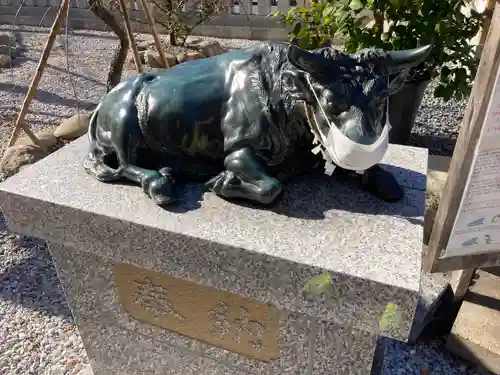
(382, 184)
(229, 185)
(161, 188)
(271, 189)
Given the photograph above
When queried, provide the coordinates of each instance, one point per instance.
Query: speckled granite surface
(371, 249)
(432, 289)
(306, 343)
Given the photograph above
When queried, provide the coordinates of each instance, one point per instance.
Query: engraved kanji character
(219, 319)
(154, 298)
(250, 327)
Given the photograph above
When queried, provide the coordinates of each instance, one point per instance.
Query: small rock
(142, 57)
(7, 38)
(57, 351)
(5, 61)
(7, 44)
(19, 155)
(170, 59)
(210, 48)
(142, 46)
(193, 40)
(47, 140)
(153, 59)
(72, 128)
(194, 55)
(56, 369)
(181, 57)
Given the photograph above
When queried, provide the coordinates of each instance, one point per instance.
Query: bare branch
(171, 15)
(101, 8)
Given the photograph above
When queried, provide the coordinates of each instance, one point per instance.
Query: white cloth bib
(344, 152)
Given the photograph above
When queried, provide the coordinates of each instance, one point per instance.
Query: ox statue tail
(95, 163)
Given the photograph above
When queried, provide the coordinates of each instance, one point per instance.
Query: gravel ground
(37, 331)
(402, 359)
(437, 123)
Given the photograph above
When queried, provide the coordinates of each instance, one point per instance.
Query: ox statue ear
(304, 60)
(401, 62)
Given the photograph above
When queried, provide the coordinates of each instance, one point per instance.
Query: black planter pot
(403, 109)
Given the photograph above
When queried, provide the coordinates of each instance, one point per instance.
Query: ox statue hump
(246, 121)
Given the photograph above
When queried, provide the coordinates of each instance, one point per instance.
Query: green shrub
(398, 25)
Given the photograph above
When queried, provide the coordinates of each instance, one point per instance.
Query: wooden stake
(460, 282)
(489, 6)
(151, 22)
(130, 35)
(56, 26)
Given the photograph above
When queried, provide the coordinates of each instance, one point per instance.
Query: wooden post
(56, 26)
(483, 33)
(465, 148)
(460, 282)
(130, 35)
(151, 22)
(489, 6)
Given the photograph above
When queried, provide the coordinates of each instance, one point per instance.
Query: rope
(47, 11)
(20, 124)
(12, 33)
(26, 129)
(68, 69)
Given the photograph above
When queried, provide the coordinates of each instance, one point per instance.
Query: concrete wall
(243, 21)
(226, 24)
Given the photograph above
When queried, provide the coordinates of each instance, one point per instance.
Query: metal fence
(244, 19)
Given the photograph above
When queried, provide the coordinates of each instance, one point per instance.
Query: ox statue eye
(384, 94)
(334, 104)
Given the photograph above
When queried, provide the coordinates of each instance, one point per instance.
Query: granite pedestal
(214, 287)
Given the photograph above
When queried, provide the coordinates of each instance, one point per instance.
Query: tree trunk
(120, 56)
(173, 39)
(172, 36)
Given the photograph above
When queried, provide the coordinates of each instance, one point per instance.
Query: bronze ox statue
(246, 121)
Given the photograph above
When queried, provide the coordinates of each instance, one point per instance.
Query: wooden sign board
(477, 226)
(466, 233)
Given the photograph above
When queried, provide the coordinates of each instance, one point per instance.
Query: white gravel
(438, 123)
(37, 332)
(36, 327)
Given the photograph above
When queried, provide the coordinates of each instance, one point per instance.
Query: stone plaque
(218, 318)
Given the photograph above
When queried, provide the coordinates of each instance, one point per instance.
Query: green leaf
(460, 75)
(356, 5)
(445, 72)
(296, 28)
(340, 12)
(328, 10)
(441, 91)
(359, 21)
(318, 284)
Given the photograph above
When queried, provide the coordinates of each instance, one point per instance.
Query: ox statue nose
(358, 125)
